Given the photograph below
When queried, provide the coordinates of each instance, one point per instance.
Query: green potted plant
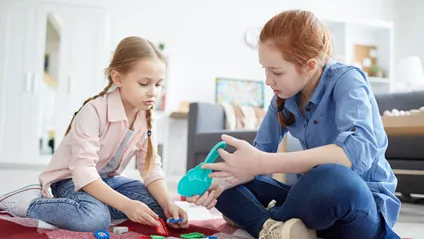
(376, 71)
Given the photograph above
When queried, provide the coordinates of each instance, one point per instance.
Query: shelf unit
(346, 33)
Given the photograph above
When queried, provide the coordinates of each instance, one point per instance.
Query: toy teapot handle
(213, 154)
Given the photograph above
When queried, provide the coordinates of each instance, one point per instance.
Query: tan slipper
(296, 229)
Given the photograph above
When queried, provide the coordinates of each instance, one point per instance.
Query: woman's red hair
(299, 36)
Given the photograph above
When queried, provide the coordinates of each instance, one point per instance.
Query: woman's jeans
(331, 199)
(79, 211)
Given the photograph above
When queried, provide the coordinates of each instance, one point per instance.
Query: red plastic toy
(162, 230)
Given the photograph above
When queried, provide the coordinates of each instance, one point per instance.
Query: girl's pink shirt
(96, 133)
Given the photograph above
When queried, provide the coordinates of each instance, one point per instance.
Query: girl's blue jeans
(331, 199)
(79, 211)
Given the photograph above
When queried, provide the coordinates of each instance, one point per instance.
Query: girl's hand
(139, 212)
(209, 198)
(241, 165)
(174, 211)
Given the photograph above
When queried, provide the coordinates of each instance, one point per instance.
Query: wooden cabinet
(81, 57)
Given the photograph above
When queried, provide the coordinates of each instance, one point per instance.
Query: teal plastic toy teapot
(196, 181)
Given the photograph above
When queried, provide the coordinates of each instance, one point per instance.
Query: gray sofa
(207, 122)
(405, 152)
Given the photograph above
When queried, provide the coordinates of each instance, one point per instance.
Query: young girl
(347, 188)
(108, 130)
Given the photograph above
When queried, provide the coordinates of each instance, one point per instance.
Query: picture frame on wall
(240, 92)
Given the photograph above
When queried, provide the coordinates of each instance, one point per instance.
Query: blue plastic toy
(196, 181)
(172, 220)
(101, 235)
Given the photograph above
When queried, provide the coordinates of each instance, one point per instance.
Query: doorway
(49, 85)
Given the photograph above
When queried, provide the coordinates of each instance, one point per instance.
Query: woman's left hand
(241, 165)
(175, 212)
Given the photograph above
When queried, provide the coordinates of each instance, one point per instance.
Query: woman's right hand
(139, 212)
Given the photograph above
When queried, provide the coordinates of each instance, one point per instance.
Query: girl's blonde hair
(127, 53)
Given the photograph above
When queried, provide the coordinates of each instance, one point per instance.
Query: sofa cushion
(406, 147)
(400, 163)
(400, 101)
(205, 141)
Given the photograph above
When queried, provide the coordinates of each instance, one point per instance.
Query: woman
(347, 188)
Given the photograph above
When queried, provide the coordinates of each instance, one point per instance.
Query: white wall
(204, 39)
(409, 31)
